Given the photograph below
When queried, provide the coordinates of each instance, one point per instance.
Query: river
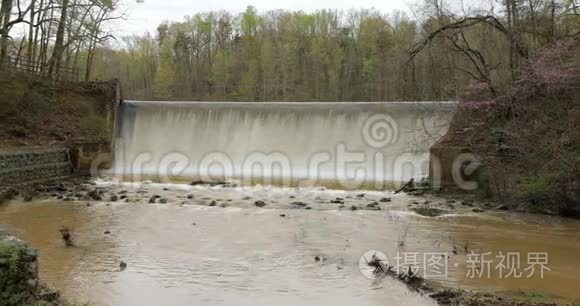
(190, 254)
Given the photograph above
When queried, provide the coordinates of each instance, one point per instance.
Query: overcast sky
(146, 16)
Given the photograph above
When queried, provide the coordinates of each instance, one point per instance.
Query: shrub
(94, 127)
(542, 193)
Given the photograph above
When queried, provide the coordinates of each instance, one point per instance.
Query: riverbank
(524, 138)
(19, 279)
(288, 204)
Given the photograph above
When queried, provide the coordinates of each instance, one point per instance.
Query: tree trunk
(29, 55)
(55, 62)
(5, 19)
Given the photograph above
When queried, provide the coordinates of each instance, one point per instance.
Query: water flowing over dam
(279, 143)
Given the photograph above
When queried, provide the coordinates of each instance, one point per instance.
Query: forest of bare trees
(364, 55)
(54, 37)
(338, 56)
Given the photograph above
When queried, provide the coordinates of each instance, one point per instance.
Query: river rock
(428, 212)
(212, 184)
(163, 201)
(114, 198)
(301, 204)
(95, 195)
(260, 203)
(20, 286)
(386, 200)
(152, 200)
(467, 203)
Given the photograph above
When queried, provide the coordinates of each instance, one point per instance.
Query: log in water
(349, 144)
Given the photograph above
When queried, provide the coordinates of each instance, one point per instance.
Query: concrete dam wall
(279, 143)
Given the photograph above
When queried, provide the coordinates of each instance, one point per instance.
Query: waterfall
(330, 144)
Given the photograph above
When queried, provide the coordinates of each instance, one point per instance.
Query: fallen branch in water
(66, 236)
(410, 186)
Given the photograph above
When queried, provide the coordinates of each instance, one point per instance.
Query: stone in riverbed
(260, 203)
(386, 200)
(478, 210)
(301, 204)
(163, 201)
(212, 184)
(428, 212)
(213, 203)
(467, 203)
(152, 200)
(114, 198)
(95, 195)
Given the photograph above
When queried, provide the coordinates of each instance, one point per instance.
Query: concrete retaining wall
(86, 158)
(30, 165)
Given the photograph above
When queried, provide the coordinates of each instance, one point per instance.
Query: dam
(338, 145)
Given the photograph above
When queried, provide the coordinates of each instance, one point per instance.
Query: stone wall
(30, 165)
(19, 283)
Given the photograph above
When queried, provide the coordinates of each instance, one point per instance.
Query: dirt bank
(36, 111)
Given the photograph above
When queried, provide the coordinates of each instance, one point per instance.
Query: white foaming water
(280, 143)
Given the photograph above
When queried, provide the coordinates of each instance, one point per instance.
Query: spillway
(342, 145)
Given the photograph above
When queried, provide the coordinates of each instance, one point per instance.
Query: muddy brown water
(198, 255)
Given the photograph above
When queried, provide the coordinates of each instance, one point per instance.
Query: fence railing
(63, 73)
